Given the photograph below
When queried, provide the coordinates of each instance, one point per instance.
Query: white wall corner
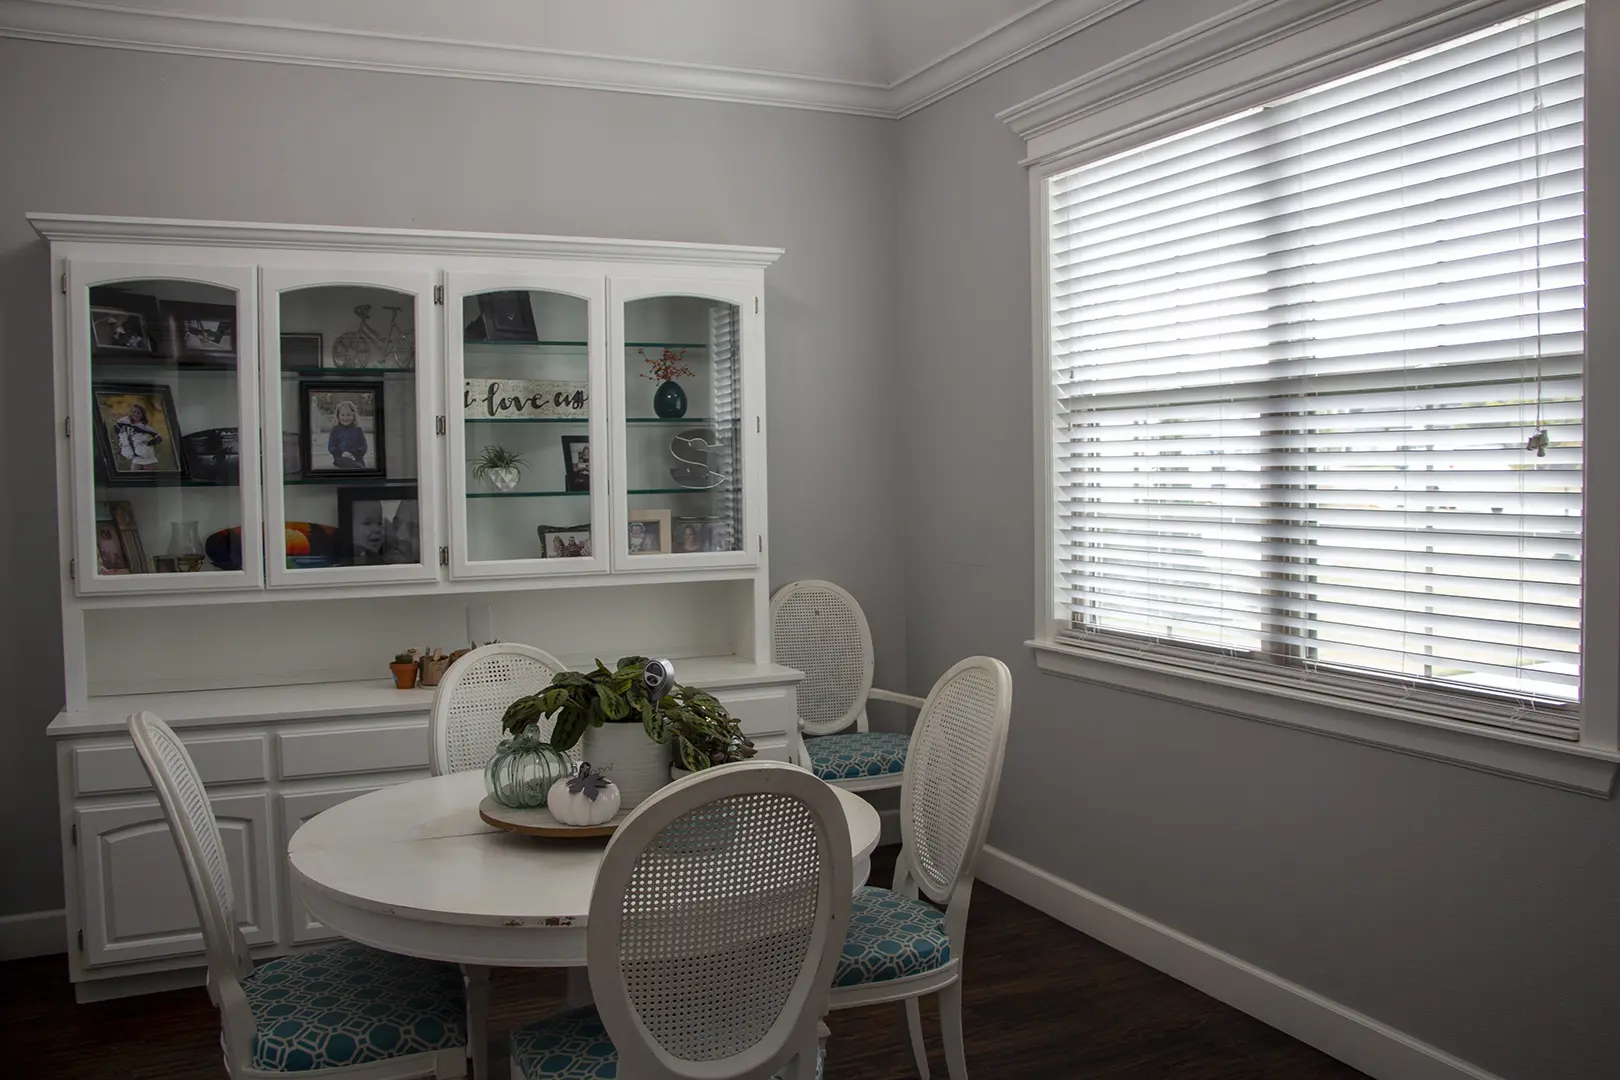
(33, 933)
(1358, 1040)
(1023, 35)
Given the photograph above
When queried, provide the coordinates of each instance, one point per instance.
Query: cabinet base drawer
(381, 746)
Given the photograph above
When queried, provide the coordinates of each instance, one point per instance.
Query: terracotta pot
(433, 670)
(404, 675)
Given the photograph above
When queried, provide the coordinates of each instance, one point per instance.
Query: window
(1316, 386)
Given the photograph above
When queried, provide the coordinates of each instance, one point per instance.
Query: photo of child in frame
(136, 432)
(379, 526)
(341, 429)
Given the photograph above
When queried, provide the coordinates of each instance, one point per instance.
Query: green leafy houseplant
(495, 463)
(701, 731)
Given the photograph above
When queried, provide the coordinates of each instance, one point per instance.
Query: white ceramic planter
(503, 479)
(634, 762)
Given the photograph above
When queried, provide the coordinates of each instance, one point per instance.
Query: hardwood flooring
(1041, 1000)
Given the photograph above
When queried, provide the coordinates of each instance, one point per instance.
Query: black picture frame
(157, 434)
(111, 300)
(326, 397)
(399, 539)
(552, 536)
(504, 316)
(301, 351)
(119, 333)
(200, 332)
(576, 452)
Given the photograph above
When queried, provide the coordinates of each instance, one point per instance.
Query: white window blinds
(1297, 357)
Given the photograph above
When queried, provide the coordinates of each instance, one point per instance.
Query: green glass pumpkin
(523, 769)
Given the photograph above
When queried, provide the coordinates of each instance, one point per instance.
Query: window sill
(1569, 766)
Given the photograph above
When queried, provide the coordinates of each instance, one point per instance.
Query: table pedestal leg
(477, 979)
(579, 987)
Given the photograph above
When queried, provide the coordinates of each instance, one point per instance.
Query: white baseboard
(34, 933)
(1376, 1049)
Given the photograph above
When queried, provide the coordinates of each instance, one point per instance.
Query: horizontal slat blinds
(1298, 359)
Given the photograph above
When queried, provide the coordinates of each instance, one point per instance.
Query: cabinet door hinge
(73, 570)
(438, 425)
(756, 305)
(438, 294)
(64, 283)
(75, 834)
(762, 544)
(756, 426)
(67, 427)
(444, 556)
(81, 941)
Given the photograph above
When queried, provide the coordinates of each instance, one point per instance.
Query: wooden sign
(523, 399)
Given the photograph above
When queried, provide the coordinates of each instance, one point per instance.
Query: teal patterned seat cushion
(891, 936)
(571, 1046)
(856, 755)
(348, 1004)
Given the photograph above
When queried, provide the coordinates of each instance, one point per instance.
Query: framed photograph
(201, 331)
(504, 316)
(166, 564)
(576, 450)
(110, 555)
(300, 351)
(379, 526)
(340, 428)
(649, 532)
(565, 541)
(719, 537)
(137, 437)
(115, 332)
(123, 518)
(691, 535)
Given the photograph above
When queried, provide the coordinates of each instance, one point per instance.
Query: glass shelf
(666, 345)
(165, 482)
(563, 494)
(677, 420)
(350, 481)
(345, 372)
(526, 420)
(523, 344)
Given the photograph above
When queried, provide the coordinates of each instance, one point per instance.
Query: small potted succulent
(404, 669)
(628, 733)
(499, 467)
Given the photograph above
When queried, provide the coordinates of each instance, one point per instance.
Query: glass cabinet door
(525, 380)
(164, 427)
(348, 387)
(681, 455)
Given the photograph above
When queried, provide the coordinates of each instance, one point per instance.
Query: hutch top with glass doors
(289, 452)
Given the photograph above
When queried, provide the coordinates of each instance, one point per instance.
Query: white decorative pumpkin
(586, 798)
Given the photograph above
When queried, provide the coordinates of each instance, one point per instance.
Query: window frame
(1251, 55)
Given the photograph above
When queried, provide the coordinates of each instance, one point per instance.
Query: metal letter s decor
(523, 399)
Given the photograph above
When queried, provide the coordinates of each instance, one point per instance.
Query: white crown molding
(91, 228)
(1256, 51)
(78, 22)
(1025, 34)
(74, 22)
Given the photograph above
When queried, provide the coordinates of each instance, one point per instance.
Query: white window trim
(1252, 54)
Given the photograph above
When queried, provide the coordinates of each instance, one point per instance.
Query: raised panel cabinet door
(136, 905)
(294, 811)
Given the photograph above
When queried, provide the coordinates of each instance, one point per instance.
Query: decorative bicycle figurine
(395, 349)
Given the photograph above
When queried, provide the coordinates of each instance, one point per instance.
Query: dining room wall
(104, 131)
(1469, 911)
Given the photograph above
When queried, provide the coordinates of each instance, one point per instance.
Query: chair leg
(579, 988)
(950, 1028)
(477, 980)
(919, 1049)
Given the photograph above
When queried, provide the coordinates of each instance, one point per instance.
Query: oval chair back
(953, 769)
(202, 857)
(716, 923)
(818, 628)
(473, 695)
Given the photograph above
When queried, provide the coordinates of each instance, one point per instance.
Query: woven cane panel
(719, 916)
(198, 813)
(480, 698)
(948, 771)
(818, 631)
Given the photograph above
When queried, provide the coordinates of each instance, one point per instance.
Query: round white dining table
(413, 869)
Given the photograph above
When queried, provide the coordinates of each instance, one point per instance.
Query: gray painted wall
(1476, 913)
(99, 131)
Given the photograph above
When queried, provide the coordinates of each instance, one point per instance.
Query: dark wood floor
(1041, 1001)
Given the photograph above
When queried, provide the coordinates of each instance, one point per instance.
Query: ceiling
(873, 57)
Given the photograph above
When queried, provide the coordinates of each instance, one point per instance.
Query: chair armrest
(909, 700)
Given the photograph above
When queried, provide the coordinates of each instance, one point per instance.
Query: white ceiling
(876, 57)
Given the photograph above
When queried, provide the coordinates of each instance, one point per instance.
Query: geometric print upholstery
(348, 1004)
(890, 937)
(572, 1045)
(856, 755)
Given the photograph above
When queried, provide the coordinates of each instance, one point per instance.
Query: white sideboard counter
(271, 758)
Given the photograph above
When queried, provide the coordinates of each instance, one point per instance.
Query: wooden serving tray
(539, 822)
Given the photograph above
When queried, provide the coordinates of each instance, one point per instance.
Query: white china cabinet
(289, 452)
